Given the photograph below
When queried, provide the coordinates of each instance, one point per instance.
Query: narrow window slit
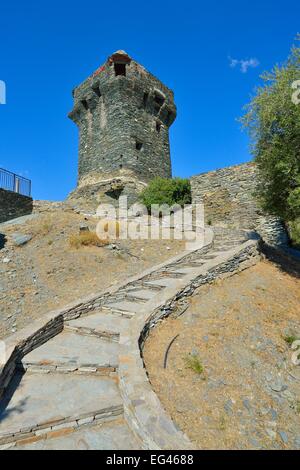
(120, 69)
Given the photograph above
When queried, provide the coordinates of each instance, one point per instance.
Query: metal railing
(16, 183)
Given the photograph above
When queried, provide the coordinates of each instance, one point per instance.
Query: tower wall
(123, 114)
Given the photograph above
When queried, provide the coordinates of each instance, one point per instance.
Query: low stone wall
(13, 205)
(228, 198)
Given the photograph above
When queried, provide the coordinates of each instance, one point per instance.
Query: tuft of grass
(193, 362)
(222, 424)
(290, 339)
(86, 239)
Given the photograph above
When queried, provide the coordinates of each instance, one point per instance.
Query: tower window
(96, 90)
(159, 99)
(120, 69)
(158, 126)
(138, 145)
(145, 99)
(85, 104)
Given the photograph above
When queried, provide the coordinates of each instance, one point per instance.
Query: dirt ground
(47, 273)
(240, 331)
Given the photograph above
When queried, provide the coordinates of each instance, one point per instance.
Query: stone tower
(123, 114)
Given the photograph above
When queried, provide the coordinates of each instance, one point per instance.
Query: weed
(193, 362)
(290, 339)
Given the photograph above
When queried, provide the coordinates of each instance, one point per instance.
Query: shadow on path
(19, 408)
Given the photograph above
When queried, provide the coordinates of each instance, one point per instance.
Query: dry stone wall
(228, 198)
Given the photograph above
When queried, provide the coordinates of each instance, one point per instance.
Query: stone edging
(143, 411)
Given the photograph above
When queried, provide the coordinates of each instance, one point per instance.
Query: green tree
(273, 122)
(166, 191)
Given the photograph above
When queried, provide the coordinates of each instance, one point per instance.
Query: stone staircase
(65, 393)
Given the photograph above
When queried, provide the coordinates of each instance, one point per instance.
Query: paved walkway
(65, 394)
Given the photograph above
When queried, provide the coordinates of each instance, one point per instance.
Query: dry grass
(86, 239)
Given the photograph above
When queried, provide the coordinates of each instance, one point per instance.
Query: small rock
(284, 437)
(247, 405)
(278, 386)
(6, 260)
(228, 407)
(274, 414)
(19, 239)
(254, 443)
(84, 228)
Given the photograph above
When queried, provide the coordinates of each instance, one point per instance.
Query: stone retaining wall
(13, 205)
(229, 201)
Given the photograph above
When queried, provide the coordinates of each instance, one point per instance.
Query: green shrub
(294, 232)
(167, 191)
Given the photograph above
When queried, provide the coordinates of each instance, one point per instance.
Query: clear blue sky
(47, 48)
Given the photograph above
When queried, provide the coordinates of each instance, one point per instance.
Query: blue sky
(210, 53)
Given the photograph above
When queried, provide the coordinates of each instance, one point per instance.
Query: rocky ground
(243, 391)
(40, 271)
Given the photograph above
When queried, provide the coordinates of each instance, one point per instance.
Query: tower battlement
(123, 114)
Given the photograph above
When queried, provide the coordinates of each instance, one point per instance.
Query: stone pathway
(65, 394)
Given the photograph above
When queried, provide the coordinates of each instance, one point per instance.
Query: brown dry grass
(86, 239)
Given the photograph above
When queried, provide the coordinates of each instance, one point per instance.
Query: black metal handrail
(16, 183)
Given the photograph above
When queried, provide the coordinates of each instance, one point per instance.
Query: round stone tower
(123, 114)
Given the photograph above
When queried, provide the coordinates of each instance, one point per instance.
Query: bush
(294, 232)
(167, 191)
(86, 239)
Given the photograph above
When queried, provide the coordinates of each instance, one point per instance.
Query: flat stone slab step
(182, 269)
(102, 324)
(75, 350)
(144, 294)
(162, 282)
(123, 306)
(114, 435)
(53, 402)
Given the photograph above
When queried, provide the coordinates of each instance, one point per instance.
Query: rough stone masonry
(123, 114)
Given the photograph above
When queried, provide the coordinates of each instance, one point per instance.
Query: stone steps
(70, 384)
(106, 434)
(102, 324)
(125, 307)
(44, 406)
(76, 352)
